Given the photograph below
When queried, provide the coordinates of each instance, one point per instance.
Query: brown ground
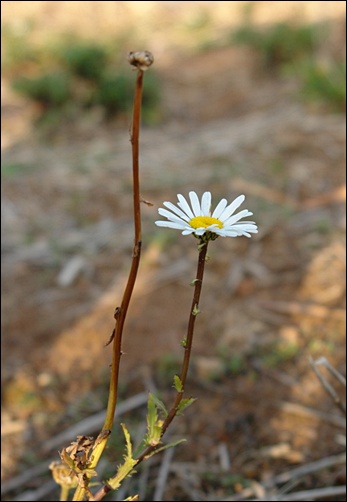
(268, 303)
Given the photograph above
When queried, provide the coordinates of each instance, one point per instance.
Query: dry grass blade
(288, 477)
(312, 310)
(94, 422)
(163, 474)
(310, 412)
(327, 386)
(38, 494)
(324, 362)
(316, 494)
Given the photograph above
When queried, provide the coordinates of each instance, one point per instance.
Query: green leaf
(178, 383)
(184, 404)
(154, 425)
(152, 415)
(165, 447)
(159, 404)
(127, 468)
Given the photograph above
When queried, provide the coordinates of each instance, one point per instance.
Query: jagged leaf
(159, 404)
(127, 468)
(165, 447)
(178, 383)
(154, 425)
(184, 404)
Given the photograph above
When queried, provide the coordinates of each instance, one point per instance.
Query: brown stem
(122, 311)
(189, 338)
(117, 350)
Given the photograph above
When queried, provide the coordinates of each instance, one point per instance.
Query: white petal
(220, 208)
(185, 206)
(199, 231)
(228, 211)
(169, 224)
(170, 216)
(194, 200)
(176, 210)
(232, 233)
(188, 231)
(226, 233)
(246, 227)
(236, 217)
(206, 204)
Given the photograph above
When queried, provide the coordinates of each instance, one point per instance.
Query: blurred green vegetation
(70, 77)
(277, 44)
(167, 366)
(84, 59)
(298, 50)
(325, 83)
(49, 89)
(294, 49)
(280, 353)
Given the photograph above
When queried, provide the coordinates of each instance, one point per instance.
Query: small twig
(287, 477)
(24, 477)
(303, 470)
(324, 362)
(224, 457)
(143, 479)
(40, 493)
(295, 308)
(94, 422)
(327, 386)
(310, 412)
(163, 474)
(315, 494)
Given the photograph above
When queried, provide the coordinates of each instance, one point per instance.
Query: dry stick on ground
(325, 384)
(87, 425)
(163, 474)
(294, 308)
(94, 422)
(299, 409)
(293, 474)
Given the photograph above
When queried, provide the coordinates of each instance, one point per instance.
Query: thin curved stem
(188, 342)
(122, 312)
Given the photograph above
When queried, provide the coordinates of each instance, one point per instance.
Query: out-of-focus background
(244, 97)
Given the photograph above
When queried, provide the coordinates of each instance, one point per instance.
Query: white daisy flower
(198, 220)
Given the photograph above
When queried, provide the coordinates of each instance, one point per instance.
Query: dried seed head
(141, 59)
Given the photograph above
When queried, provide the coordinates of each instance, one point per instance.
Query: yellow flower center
(204, 222)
